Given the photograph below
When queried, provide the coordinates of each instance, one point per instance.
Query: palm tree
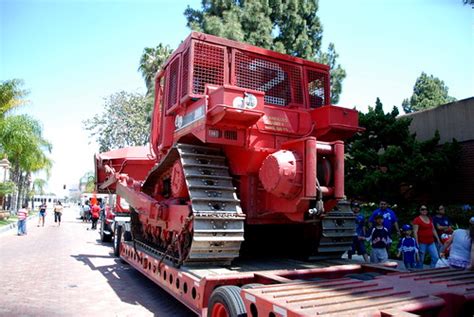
(150, 63)
(11, 95)
(38, 186)
(21, 139)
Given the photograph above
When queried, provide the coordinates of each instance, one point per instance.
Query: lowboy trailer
(246, 159)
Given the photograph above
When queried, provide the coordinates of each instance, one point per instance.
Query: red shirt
(95, 211)
(425, 231)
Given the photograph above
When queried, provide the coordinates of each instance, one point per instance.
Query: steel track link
(338, 230)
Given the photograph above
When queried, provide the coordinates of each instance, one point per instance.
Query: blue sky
(72, 54)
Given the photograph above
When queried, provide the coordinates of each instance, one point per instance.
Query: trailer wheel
(104, 237)
(225, 301)
(117, 239)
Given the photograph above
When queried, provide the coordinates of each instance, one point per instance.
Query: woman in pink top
(22, 214)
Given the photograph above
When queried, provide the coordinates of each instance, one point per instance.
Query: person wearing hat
(358, 242)
(426, 236)
(461, 255)
(408, 247)
(379, 238)
(390, 220)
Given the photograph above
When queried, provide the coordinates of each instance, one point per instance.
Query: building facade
(454, 120)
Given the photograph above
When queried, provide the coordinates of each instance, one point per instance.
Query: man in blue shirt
(441, 222)
(390, 220)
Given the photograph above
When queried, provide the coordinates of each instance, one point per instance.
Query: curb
(13, 225)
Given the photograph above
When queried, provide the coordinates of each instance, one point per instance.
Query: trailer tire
(225, 301)
(104, 237)
(117, 239)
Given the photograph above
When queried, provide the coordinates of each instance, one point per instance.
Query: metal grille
(280, 82)
(208, 66)
(316, 89)
(230, 135)
(185, 73)
(173, 83)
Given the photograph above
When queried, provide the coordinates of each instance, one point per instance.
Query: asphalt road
(66, 271)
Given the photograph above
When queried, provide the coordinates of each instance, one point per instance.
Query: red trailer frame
(336, 290)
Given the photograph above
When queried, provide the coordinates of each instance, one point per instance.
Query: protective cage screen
(208, 66)
(281, 82)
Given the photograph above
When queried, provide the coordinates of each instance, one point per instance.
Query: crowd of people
(91, 212)
(433, 235)
(23, 212)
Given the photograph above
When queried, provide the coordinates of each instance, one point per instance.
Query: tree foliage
(123, 122)
(22, 141)
(386, 161)
(38, 186)
(150, 63)
(11, 95)
(428, 92)
(290, 27)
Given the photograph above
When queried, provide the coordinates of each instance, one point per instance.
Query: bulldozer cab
(256, 79)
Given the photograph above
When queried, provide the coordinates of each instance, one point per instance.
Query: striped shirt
(22, 214)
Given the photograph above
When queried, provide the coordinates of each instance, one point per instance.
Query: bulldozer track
(338, 230)
(217, 219)
(218, 224)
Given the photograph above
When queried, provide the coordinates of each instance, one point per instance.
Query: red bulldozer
(246, 155)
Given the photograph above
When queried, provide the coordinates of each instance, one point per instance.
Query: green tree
(123, 122)
(150, 63)
(290, 27)
(428, 92)
(387, 161)
(22, 141)
(38, 186)
(11, 95)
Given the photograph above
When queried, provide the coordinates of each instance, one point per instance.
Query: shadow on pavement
(134, 288)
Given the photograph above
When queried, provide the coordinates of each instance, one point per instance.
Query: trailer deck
(437, 292)
(290, 288)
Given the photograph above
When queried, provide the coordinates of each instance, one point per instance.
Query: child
(358, 243)
(379, 238)
(408, 247)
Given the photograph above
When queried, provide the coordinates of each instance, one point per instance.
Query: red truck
(245, 171)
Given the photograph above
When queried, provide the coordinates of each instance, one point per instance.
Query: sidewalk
(66, 271)
(12, 226)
